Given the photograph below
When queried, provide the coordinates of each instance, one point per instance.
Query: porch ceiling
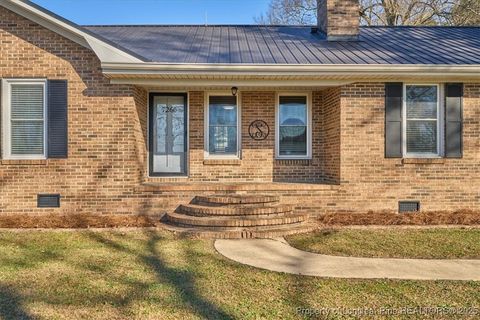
(228, 82)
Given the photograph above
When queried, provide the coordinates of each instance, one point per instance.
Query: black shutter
(393, 120)
(57, 119)
(453, 120)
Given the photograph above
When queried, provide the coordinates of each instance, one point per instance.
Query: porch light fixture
(234, 91)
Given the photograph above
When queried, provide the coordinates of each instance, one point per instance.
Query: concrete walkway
(278, 255)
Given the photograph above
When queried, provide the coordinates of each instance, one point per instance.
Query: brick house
(140, 119)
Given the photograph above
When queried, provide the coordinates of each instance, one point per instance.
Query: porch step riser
(234, 205)
(236, 199)
(202, 211)
(185, 220)
(240, 234)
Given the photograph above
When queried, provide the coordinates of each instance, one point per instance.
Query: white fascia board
(348, 71)
(104, 51)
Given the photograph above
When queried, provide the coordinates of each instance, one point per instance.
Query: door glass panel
(178, 118)
(169, 134)
(160, 132)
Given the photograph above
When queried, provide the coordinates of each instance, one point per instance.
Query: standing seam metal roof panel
(251, 44)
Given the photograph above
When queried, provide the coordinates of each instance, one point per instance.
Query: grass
(435, 243)
(152, 275)
(76, 221)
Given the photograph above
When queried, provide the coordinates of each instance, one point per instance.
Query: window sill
(25, 162)
(222, 162)
(423, 161)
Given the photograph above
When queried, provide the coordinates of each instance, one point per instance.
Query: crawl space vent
(48, 201)
(408, 206)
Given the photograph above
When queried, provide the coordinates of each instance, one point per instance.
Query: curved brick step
(242, 233)
(220, 223)
(202, 210)
(235, 199)
(236, 216)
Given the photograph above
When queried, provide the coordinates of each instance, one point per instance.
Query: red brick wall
(105, 144)
(330, 143)
(106, 170)
(375, 182)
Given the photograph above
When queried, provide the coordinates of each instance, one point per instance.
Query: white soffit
(106, 52)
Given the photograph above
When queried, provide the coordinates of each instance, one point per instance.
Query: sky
(87, 12)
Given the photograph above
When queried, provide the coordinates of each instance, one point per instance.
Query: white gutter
(152, 69)
(297, 68)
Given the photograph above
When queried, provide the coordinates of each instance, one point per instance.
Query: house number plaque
(259, 130)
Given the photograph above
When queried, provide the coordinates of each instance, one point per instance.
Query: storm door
(168, 134)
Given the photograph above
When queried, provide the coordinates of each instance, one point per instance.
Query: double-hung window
(24, 119)
(422, 125)
(222, 136)
(293, 127)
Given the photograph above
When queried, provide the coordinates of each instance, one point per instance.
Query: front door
(168, 134)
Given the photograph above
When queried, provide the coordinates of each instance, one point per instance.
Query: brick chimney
(339, 19)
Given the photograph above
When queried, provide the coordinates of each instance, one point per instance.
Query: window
(24, 123)
(222, 138)
(422, 123)
(293, 129)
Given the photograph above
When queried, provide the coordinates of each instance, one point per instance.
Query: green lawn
(435, 243)
(152, 275)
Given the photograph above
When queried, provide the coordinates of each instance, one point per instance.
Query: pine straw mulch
(77, 221)
(461, 217)
(84, 221)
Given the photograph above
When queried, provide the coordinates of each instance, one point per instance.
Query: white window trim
(440, 122)
(207, 154)
(6, 128)
(308, 156)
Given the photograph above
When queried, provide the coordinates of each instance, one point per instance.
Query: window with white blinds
(24, 120)
(293, 127)
(422, 120)
(222, 138)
